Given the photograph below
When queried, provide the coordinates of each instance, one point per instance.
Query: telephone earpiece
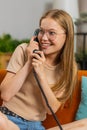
(36, 39)
(36, 34)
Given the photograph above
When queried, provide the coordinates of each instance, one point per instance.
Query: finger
(41, 54)
(36, 64)
(33, 37)
(36, 56)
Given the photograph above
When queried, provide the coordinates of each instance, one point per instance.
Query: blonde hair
(68, 66)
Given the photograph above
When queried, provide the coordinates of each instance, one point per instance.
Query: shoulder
(18, 58)
(22, 46)
(20, 50)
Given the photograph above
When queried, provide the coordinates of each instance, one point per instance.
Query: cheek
(39, 38)
(60, 46)
(61, 41)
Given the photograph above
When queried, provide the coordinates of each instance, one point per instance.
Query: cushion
(82, 110)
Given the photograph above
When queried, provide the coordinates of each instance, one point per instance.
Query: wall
(21, 17)
(83, 6)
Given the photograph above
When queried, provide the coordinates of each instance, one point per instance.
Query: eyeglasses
(50, 34)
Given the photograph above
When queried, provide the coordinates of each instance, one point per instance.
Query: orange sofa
(66, 114)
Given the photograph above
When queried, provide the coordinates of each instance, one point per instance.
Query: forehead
(49, 23)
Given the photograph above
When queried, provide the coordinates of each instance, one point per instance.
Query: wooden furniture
(66, 114)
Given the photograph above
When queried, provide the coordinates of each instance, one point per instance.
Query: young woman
(55, 67)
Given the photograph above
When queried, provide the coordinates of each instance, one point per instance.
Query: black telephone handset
(36, 39)
(36, 34)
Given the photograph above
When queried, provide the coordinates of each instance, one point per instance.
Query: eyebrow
(51, 29)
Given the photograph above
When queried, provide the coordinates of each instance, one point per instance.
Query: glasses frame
(51, 34)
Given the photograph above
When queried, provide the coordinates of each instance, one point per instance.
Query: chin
(45, 51)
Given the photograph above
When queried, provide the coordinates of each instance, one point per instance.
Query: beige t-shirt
(28, 101)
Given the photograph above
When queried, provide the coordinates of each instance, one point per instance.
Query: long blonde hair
(68, 65)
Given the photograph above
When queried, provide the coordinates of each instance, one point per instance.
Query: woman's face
(51, 37)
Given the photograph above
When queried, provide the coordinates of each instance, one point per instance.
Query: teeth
(45, 44)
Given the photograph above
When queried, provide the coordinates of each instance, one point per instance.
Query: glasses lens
(50, 34)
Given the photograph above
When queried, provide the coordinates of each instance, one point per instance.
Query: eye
(41, 31)
(52, 33)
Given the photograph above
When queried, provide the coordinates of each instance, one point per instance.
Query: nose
(44, 37)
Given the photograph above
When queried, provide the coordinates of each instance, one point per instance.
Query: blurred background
(19, 19)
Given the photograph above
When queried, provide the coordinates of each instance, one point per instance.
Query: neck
(50, 60)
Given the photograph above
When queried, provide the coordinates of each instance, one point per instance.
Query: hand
(32, 46)
(38, 61)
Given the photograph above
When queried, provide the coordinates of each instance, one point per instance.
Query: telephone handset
(36, 34)
(36, 39)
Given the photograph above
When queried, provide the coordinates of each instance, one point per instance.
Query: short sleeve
(17, 59)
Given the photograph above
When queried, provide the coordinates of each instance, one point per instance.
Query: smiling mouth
(45, 45)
